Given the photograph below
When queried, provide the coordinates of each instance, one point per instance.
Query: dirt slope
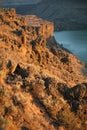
(42, 85)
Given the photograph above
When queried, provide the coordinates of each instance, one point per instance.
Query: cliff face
(66, 15)
(42, 86)
(42, 27)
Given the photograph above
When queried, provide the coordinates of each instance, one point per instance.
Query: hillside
(66, 14)
(43, 86)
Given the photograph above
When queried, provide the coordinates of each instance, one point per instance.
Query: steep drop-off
(43, 86)
(66, 14)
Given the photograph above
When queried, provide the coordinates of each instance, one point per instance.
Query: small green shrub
(3, 123)
(2, 91)
(85, 65)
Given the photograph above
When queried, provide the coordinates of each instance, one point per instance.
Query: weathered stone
(35, 72)
(42, 27)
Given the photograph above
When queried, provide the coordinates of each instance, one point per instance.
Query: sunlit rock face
(66, 14)
(42, 85)
(43, 27)
(27, 30)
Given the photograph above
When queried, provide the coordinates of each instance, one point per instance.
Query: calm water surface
(75, 41)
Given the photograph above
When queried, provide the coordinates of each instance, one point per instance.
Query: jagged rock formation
(42, 27)
(66, 15)
(42, 85)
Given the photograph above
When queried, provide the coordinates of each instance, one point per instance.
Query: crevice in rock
(21, 71)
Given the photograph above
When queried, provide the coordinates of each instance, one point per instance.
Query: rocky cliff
(42, 85)
(66, 15)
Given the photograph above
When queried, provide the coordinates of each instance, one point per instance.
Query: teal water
(75, 41)
(8, 3)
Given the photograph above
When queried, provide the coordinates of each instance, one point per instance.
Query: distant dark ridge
(66, 15)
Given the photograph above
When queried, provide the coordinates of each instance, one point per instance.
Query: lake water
(75, 41)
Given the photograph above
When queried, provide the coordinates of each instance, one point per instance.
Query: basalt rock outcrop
(42, 85)
(66, 15)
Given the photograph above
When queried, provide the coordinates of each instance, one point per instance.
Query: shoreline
(74, 41)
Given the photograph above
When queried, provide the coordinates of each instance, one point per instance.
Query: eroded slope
(42, 85)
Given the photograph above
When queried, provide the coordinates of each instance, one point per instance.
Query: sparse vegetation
(3, 123)
(2, 91)
(40, 86)
(68, 119)
(86, 65)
